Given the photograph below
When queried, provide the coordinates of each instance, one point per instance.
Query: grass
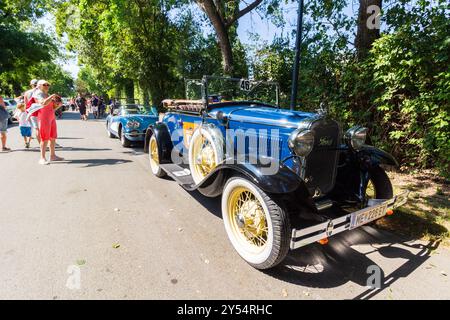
(427, 213)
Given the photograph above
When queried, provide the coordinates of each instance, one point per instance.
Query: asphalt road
(100, 217)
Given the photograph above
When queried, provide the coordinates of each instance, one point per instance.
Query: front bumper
(135, 135)
(324, 230)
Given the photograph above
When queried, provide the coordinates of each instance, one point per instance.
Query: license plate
(367, 215)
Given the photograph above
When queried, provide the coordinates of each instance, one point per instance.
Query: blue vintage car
(287, 178)
(130, 122)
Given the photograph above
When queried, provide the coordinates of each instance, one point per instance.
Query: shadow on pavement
(93, 162)
(69, 138)
(75, 115)
(136, 150)
(337, 263)
(36, 149)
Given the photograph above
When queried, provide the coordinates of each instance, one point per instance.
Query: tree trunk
(368, 28)
(146, 96)
(129, 90)
(222, 34)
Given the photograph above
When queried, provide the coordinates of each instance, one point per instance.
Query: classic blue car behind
(130, 122)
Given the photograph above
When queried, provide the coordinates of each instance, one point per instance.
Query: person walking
(80, 102)
(27, 98)
(72, 104)
(94, 105)
(4, 116)
(101, 107)
(24, 124)
(47, 121)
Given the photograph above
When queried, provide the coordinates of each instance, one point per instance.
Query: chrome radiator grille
(321, 163)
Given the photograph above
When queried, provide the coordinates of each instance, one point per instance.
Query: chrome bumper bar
(305, 236)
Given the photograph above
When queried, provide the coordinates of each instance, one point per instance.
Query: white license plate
(367, 215)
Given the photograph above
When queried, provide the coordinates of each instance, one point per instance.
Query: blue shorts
(25, 131)
(3, 125)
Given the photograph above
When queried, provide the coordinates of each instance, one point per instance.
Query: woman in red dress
(47, 121)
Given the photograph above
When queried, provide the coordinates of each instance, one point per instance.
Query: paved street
(135, 236)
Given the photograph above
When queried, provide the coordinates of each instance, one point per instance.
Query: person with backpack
(4, 116)
(28, 101)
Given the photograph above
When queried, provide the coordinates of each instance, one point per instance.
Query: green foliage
(401, 91)
(27, 52)
(136, 41)
(411, 80)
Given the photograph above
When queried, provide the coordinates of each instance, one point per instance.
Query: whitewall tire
(257, 227)
(205, 152)
(154, 157)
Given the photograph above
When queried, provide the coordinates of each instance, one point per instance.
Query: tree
(223, 15)
(26, 51)
(134, 45)
(368, 30)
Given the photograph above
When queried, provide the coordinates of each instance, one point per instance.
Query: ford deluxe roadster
(287, 178)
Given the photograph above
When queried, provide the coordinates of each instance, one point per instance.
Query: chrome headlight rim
(301, 142)
(355, 137)
(133, 124)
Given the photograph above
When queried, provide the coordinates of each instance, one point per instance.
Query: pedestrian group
(35, 112)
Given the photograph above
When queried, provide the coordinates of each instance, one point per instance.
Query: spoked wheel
(205, 153)
(257, 227)
(154, 158)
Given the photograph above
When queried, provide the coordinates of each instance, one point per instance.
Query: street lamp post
(298, 42)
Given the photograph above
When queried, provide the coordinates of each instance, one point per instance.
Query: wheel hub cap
(248, 215)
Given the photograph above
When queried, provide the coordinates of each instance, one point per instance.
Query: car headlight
(355, 137)
(301, 141)
(133, 124)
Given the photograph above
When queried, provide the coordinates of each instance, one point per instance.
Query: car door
(115, 121)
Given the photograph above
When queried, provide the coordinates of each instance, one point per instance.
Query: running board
(179, 174)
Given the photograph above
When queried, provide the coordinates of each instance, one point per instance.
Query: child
(24, 124)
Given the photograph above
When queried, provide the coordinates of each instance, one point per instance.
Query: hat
(33, 82)
(41, 82)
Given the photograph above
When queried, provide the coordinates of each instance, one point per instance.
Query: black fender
(285, 186)
(284, 181)
(165, 145)
(354, 172)
(378, 156)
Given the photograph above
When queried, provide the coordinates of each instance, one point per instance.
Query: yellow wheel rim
(370, 190)
(204, 157)
(247, 218)
(154, 158)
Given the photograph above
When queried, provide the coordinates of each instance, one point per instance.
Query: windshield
(221, 89)
(130, 110)
(139, 109)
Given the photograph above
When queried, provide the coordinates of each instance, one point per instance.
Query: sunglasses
(46, 85)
